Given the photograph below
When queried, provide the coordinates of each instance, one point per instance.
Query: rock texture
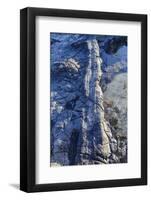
(88, 99)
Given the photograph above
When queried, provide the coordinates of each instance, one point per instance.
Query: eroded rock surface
(88, 99)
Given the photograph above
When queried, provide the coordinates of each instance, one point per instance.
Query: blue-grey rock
(83, 112)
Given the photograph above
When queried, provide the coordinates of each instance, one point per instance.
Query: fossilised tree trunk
(95, 131)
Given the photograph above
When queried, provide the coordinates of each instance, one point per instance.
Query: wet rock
(112, 45)
(116, 112)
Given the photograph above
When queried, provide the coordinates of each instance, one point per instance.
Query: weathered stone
(88, 100)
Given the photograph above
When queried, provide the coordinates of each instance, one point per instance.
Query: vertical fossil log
(95, 131)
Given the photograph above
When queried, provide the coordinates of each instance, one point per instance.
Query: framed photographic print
(83, 99)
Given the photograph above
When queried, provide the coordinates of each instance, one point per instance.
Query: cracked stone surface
(88, 105)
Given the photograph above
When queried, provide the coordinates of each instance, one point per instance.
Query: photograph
(83, 99)
(88, 99)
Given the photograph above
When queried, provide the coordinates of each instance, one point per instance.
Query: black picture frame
(28, 99)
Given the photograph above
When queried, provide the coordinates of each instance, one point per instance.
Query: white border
(45, 174)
